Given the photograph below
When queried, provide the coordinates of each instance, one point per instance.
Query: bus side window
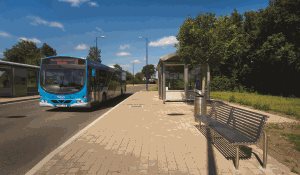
(102, 78)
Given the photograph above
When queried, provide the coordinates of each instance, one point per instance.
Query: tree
(129, 77)
(259, 50)
(118, 66)
(198, 43)
(23, 52)
(47, 50)
(150, 69)
(139, 77)
(94, 54)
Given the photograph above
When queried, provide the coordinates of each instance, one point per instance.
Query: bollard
(199, 104)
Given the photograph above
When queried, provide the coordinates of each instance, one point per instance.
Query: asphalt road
(29, 132)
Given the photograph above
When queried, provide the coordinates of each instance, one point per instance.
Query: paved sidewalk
(4, 100)
(144, 136)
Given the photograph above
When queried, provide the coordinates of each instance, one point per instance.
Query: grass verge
(284, 144)
(153, 87)
(284, 105)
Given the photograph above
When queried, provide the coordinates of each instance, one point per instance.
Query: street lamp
(133, 72)
(147, 80)
(97, 44)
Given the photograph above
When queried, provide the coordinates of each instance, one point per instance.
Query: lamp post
(147, 76)
(97, 44)
(133, 73)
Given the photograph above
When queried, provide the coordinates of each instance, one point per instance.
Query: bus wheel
(104, 98)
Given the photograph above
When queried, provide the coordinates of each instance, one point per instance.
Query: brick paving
(144, 136)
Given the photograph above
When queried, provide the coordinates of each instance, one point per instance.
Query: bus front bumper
(81, 105)
(45, 104)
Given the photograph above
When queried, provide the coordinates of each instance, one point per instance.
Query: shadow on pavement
(108, 104)
(223, 146)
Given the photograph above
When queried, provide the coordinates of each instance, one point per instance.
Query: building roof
(18, 64)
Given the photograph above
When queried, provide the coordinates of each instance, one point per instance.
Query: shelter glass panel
(32, 82)
(5, 80)
(194, 78)
(20, 81)
(174, 77)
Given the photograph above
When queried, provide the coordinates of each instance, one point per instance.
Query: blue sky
(71, 26)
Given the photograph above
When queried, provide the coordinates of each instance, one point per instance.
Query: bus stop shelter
(177, 80)
(18, 79)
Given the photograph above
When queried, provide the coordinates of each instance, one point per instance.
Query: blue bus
(77, 82)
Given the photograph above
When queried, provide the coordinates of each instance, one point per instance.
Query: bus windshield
(62, 78)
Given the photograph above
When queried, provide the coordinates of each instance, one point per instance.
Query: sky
(71, 26)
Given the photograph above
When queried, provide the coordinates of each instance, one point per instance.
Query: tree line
(27, 52)
(254, 51)
(139, 77)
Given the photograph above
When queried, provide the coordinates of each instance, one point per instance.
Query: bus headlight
(79, 101)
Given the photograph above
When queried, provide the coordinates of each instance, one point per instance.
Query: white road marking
(39, 165)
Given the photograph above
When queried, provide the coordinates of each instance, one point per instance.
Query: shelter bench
(238, 126)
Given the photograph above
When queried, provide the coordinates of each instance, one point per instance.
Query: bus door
(92, 87)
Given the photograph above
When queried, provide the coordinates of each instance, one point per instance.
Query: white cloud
(99, 29)
(165, 41)
(39, 21)
(77, 3)
(4, 34)
(111, 65)
(124, 46)
(125, 66)
(123, 54)
(81, 47)
(136, 61)
(93, 4)
(35, 40)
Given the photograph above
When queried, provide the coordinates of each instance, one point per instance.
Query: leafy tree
(118, 66)
(258, 50)
(129, 77)
(47, 50)
(198, 43)
(23, 52)
(139, 77)
(150, 69)
(94, 54)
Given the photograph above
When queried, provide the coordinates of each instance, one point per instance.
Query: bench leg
(237, 157)
(265, 149)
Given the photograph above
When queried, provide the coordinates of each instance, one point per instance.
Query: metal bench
(237, 126)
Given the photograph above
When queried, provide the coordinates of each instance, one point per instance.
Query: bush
(222, 83)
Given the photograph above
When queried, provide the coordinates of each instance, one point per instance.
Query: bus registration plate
(61, 105)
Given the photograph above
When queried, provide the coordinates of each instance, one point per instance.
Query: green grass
(294, 138)
(153, 88)
(288, 106)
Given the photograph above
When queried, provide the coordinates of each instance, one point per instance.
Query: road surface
(29, 132)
